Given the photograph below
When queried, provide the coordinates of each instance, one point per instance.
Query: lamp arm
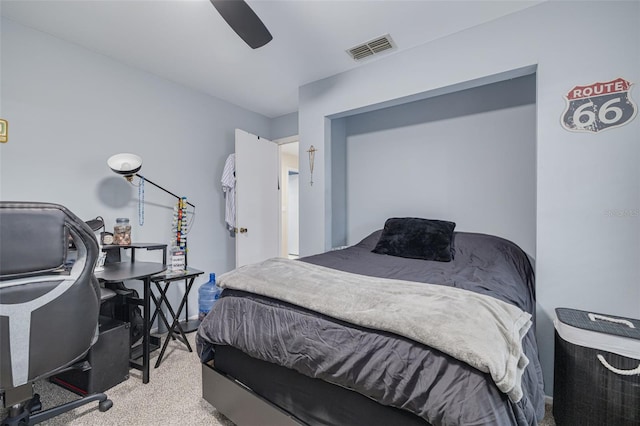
(159, 187)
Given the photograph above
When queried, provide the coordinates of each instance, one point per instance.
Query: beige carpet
(173, 396)
(548, 417)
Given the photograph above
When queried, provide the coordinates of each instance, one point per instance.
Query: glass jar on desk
(122, 232)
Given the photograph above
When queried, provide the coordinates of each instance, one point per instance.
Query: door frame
(280, 142)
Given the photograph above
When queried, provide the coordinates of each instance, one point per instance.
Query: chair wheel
(105, 405)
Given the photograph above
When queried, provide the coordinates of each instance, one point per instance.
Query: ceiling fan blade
(243, 20)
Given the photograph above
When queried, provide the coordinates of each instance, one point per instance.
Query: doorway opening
(289, 205)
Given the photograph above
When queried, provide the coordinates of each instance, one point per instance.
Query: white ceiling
(188, 42)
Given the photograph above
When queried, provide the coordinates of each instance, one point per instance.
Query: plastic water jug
(208, 293)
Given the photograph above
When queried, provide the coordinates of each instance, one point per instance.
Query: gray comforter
(388, 368)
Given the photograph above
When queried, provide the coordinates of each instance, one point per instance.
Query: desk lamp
(129, 165)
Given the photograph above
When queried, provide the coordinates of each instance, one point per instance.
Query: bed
(277, 358)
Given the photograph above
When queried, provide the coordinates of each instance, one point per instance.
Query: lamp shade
(125, 163)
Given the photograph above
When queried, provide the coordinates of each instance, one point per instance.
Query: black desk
(166, 278)
(115, 249)
(123, 271)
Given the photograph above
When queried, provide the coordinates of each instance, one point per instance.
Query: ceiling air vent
(377, 45)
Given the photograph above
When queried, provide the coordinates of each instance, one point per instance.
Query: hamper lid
(601, 323)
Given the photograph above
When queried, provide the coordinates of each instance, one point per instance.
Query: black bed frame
(254, 392)
(239, 404)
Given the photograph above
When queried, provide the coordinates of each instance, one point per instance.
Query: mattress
(392, 370)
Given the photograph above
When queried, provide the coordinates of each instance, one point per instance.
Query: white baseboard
(548, 399)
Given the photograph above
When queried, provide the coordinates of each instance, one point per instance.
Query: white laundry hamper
(597, 369)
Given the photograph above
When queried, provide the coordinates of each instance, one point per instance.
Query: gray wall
(586, 253)
(69, 109)
(339, 226)
(285, 125)
(468, 157)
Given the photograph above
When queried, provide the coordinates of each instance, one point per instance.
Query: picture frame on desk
(178, 260)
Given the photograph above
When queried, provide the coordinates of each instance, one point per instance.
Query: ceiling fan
(244, 21)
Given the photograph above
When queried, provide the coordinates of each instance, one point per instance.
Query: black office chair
(48, 308)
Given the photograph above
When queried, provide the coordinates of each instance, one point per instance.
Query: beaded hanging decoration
(141, 202)
(180, 224)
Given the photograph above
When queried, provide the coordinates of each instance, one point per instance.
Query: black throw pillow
(417, 238)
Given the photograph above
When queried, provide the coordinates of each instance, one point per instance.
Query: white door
(257, 199)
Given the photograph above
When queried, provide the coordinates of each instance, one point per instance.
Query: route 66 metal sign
(598, 106)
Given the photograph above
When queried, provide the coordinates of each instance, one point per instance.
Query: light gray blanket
(479, 330)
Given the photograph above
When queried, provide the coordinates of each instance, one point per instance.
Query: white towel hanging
(229, 189)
